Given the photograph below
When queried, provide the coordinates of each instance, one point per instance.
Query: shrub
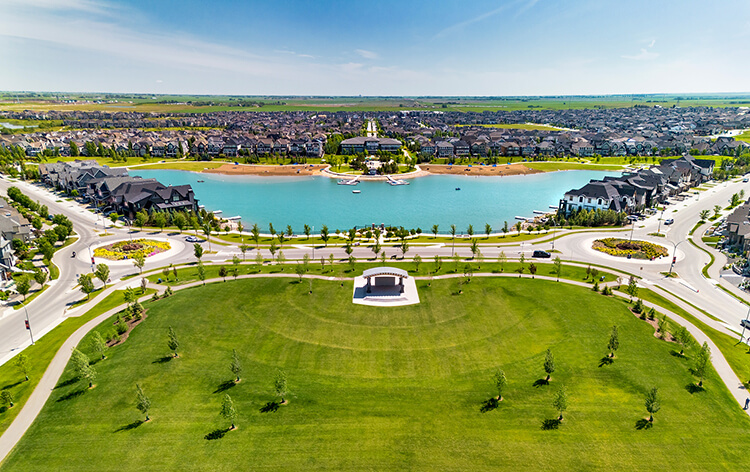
(638, 307)
(121, 327)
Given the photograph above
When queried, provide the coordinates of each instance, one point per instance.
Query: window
(588, 200)
(600, 201)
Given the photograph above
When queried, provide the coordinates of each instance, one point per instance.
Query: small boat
(458, 188)
(200, 181)
(356, 191)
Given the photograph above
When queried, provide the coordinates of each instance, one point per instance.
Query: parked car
(668, 221)
(193, 239)
(541, 254)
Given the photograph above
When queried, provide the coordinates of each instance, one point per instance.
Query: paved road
(49, 309)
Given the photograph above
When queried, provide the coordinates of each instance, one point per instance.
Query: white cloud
(524, 6)
(367, 54)
(644, 55)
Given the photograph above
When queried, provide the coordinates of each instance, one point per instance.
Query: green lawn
(41, 354)
(387, 388)
(189, 273)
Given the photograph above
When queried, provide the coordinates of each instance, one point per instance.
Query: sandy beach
(501, 169)
(315, 169)
(270, 170)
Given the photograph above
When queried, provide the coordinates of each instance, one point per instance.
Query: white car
(193, 239)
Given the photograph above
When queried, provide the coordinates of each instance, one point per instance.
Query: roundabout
(155, 249)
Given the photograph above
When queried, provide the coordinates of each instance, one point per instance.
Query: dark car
(745, 323)
(541, 254)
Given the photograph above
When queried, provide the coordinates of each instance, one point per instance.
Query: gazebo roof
(393, 271)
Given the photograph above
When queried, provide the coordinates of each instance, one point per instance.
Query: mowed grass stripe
(389, 409)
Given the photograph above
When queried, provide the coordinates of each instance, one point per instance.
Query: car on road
(193, 239)
(541, 254)
(668, 221)
(745, 324)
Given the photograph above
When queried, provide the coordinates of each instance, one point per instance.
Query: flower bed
(624, 248)
(128, 249)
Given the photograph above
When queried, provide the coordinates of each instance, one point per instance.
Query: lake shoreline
(298, 170)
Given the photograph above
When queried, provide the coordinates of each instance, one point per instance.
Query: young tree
(244, 248)
(330, 261)
(280, 259)
(438, 263)
(434, 231)
(717, 211)
(502, 259)
(201, 273)
(375, 248)
(682, 335)
(279, 385)
(98, 344)
(142, 402)
(82, 367)
(307, 231)
(560, 401)
(487, 230)
(258, 261)
(223, 273)
(272, 249)
(702, 362)
(704, 214)
(139, 260)
(300, 271)
(22, 365)
(206, 228)
(255, 235)
(470, 230)
(614, 342)
(198, 251)
(23, 285)
(532, 269)
(499, 380)
(417, 261)
(404, 246)
(652, 403)
(474, 247)
(453, 239)
(87, 285)
(236, 366)
(557, 267)
(549, 363)
(324, 235)
(352, 261)
(632, 288)
(172, 342)
(228, 411)
(6, 398)
(40, 276)
(102, 273)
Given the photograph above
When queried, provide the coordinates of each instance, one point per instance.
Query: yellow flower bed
(624, 248)
(129, 249)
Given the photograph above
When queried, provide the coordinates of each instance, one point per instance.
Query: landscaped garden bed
(129, 249)
(624, 248)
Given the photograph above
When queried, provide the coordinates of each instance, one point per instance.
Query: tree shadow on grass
(643, 423)
(9, 386)
(224, 386)
(65, 383)
(548, 425)
(216, 434)
(489, 405)
(693, 388)
(72, 395)
(676, 354)
(606, 360)
(3, 408)
(270, 407)
(130, 426)
(163, 360)
(540, 383)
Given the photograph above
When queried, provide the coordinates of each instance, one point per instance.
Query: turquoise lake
(430, 200)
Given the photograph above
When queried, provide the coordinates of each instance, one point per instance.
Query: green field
(146, 103)
(387, 388)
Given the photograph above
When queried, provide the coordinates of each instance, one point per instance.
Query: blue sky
(375, 47)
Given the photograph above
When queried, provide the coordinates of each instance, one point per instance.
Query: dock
(353, 181)
(393, 181)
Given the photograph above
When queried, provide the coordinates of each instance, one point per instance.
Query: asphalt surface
(51, 308)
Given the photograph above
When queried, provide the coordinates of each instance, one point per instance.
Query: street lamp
(28, 324)
(632, 228)
(658, 229)
(746, 322)
(674, 256)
